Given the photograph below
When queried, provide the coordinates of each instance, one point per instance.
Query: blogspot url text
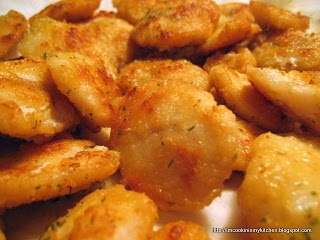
(262, 230)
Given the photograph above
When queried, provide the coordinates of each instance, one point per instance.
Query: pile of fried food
(175, 95)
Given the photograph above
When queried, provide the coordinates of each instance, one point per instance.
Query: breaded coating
(270, 17)
(177, 23)
(298, 94)
(290, 50)
(180, 230)
(60, 167)
(13, 27)
(139, 72)
(107, 214)
(86, 84)
(245, 101)
(236, 24)
(281, 187)
(31, 107)
(103, 37)
(176, 144)
(69, 10)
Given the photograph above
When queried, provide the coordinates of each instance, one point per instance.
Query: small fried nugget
(281, 188)
(103, 37)
(31, 107)
(270, 17)
(86, 84)
(139, 72)
(177, 23)
(180, 230)
(53, 169)
(13, 27)
(297, 96)
(236, 24)
(247, 102)
(290, 50)
(69, 10)
(113, 213)
(177, 145)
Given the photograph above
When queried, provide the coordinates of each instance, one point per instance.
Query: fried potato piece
(13, 27)
(177, 23)
(248, 103)
(103, 37)
(60, 167)
(139, 72)
(281, 187)
(87, 85)
(69, 10)
(291, 50)
(112, 213)
(176, 144)
(236, 24)
(31, 106)
(294, 92)
(180, 230)
(270, 17)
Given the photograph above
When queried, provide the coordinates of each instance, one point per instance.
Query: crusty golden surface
(140, 72)
(47, 36)
(180, 230)
(31, 107)
(270, 17)
(290, 50)
(177, 23)
(69, 10)
(13, 26)
(57, 168)
(86, 84)
(176, 144)
(281, 186)
(105, 214)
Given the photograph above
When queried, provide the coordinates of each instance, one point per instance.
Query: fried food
(177, 23)
(31, 107)
(140, 72)
(60, 167)
(290, 50)
(236, 24)
(86, 84)
(176, 144)
(270, 17)
(13, 27)
(69, 10)
(112, 213)
(281, 186)
(48, 36)
(2, 236)
(180, 230)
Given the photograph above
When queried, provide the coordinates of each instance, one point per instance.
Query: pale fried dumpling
(56, 168)
(107, 214)
(31, 106)
(281, 187)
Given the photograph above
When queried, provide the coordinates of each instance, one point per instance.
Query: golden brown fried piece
(31, 107)
(176, 144)
(290, 50)
(139, 72)
(180, 230)
(86, 84)
(281, 187)
(2, 236)
(103, 37)
(270, 17)
(69, 10)
(57, 168)
(107, 214)
(177, 23)
(13, 26)
(236, 24)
